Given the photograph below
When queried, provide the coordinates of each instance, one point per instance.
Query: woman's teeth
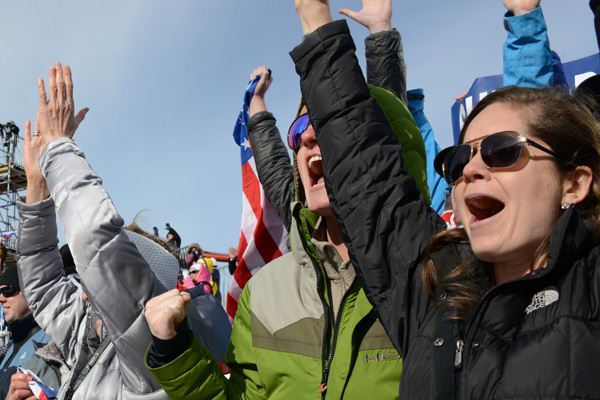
(315, 163)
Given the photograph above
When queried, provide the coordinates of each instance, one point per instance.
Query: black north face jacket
(537, 337)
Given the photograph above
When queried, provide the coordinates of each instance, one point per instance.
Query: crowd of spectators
(378, 297)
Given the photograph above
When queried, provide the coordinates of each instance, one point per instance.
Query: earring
(564, 205)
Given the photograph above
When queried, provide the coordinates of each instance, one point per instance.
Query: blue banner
(575, 72)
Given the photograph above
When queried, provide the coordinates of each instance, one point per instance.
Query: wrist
(522, 10)
(37, 190)
(380, 27)
(257, 105)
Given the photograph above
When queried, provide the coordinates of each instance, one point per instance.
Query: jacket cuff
(40, 235)
(530, 24)
(383, 40)
(54, 148)
(162, 352)
(318, 36)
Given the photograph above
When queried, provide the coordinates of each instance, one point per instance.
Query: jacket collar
(571, 238)
(302, 228)
(23, 328)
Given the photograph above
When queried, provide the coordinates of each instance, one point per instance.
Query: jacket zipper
(458, 355)
(333, 342)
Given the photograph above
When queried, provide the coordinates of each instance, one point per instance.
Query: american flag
(263, 237)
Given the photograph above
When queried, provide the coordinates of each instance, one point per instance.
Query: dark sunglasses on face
(296, 130)
(498, 151)
(8, 291)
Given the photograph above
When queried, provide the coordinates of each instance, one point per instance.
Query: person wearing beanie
(26, 335)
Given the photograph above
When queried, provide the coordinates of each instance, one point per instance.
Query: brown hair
(134, 227)
(567, 124)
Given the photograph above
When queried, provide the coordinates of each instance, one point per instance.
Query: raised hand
(56, 114)
(37, 189)
(164, 313)
(520, 7)
(19, 388)
(376, 15)
(258, 100)
(313, 14)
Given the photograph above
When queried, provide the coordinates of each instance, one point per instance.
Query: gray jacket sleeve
(114, 274)
(273, 164)
(56, 302)
(385, 62)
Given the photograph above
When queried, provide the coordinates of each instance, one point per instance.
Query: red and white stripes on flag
(263, 237)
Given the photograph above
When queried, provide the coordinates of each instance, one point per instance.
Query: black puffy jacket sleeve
(383, 218)
(273, 165)
(385, 62)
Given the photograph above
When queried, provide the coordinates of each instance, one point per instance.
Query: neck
(334, 237)
(508, 272)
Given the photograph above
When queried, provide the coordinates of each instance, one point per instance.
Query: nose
(475, 168)
(309, 138)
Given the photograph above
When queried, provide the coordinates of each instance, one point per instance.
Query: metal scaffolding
(12, 182)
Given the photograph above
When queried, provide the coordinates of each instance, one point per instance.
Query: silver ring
(36, 133)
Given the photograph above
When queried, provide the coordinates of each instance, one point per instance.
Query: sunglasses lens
(455, 162)
(8, 291)
(501, 150)
(296, 130)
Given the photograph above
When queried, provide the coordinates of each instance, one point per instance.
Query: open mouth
(315, 165)
(483, 207)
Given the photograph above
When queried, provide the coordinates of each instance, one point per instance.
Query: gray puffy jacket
(114, 274)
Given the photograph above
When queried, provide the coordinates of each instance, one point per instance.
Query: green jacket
(283, 335)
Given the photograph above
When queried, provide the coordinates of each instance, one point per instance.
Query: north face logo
(542, 299)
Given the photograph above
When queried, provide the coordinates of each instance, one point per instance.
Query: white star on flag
(246, 144)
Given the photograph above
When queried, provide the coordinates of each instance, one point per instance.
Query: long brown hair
(567, 124)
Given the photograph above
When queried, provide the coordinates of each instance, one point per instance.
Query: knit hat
(194, 246)
(194, 267)
(10, 277)
(164, 265)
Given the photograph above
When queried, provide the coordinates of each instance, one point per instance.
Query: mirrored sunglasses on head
(9, 291)
(296, 130)
(499, 150)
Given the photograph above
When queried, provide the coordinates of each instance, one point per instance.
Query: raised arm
(527, 56)
(382, 216)
(56, 302)
(101, 250)
(273, 163)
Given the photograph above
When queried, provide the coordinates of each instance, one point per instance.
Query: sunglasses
(9, 291)
(498, 151)
(296, 130)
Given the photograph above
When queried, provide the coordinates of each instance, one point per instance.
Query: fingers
(262, 72)
(19, 387)
(165, 312)
(20, 377)
(42, 92)
(349, 13)
(27, 132)
(52, 88)
(81, 115)
(69, 86)
(60, 84)
(36, 127)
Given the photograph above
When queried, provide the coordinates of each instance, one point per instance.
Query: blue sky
(165, 80)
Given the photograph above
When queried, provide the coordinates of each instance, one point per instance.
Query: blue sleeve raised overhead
(527, 56)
